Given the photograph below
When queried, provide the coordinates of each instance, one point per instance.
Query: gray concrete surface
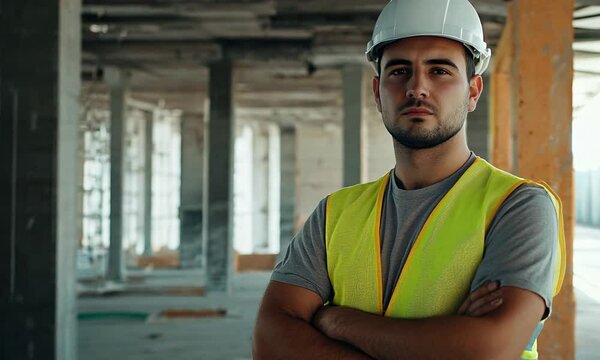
(148, 152)
(115, 79)
(586, 281)
(192, 182)
(229, 338)
(288, 188)
(217, 229)
(39, 143)
(352, 93)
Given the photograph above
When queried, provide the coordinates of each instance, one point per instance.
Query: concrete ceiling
(165, 45)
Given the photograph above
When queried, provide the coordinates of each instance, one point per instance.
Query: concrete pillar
(319, 165)
(501, 108)
(192, 163)
(287, 188)
(39, 143)
(377, 146)
(542, 77)
(148, 150)
(243, 189)
(218, 193)
(273, 188)
(478, 123)
(115, 79)
(260, 191)
(352, 123)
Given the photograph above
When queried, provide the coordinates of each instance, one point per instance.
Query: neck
(419, 168)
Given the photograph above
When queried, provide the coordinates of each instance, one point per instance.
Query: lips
(414, 111)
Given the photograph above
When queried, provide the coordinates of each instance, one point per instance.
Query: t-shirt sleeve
(305, 261)
(521, 244)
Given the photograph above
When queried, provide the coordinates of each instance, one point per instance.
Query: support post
(377, 145)
(190, 213)
(218, 192)
(542, 77)
(352, 122)
(274, 187)
(39, 150)
(501, 109)
(116, 84)
(148, 150)
(288, 188)
(260, 191)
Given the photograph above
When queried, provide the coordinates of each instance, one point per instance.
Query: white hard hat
(452, 19)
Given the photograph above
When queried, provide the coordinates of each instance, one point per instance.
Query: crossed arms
(293, 324)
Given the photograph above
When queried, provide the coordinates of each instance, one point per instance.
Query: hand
(482, 301)
(326, 319)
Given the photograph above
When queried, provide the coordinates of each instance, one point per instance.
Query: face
(423, 92)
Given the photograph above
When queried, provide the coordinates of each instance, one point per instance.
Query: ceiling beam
(587, 3)
(582, 35)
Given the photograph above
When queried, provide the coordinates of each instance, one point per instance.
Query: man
(407, 266)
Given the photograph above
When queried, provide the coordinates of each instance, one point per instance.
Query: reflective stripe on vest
(441, 264)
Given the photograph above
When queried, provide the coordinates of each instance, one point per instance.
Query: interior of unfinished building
(159, 156)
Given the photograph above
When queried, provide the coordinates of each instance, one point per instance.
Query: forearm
(456, 337)
(282, 336)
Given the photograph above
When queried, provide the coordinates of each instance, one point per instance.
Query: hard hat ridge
(453, 19)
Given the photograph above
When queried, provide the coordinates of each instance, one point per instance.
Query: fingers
(483, 300)
(486, 308)
(481, 291)
(465, 305)
(485, 304)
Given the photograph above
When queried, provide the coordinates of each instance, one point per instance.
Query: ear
(475, 89)
(376, 92)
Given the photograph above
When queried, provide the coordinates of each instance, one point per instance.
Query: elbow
(493, 346)
(259, 341)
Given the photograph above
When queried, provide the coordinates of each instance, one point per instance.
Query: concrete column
(273, 187)
(39, 143)
(501, 107)
(377, 145)
(148, 150)
(352, 123)
(218, 193)
(542, 82)
(478, 123)
(192, 163)
(115, 79)
(260, 191)
(287, 189)
(319, 165)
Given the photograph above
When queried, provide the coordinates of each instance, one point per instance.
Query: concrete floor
(229, 337)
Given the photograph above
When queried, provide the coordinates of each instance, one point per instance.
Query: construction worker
(443, 257)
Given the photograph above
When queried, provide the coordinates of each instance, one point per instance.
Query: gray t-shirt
(519, 246)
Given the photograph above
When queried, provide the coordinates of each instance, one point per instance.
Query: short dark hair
(469, 58)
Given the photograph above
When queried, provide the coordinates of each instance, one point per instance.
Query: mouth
(417, 112)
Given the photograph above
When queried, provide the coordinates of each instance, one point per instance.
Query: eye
(399, 71)
(440, 71)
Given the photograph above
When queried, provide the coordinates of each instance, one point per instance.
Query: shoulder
(352, 193)
(530, 198)
(527, 209)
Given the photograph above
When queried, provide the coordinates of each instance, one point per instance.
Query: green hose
(138, 315)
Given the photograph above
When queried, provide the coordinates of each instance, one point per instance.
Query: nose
(416, 88)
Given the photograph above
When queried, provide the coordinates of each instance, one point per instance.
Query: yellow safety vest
(442, 262)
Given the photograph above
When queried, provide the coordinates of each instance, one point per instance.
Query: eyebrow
(442, 61)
